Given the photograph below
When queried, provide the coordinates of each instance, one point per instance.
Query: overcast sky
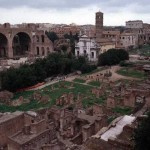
(116, 12)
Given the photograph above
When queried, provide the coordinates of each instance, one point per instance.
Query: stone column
(10, 49)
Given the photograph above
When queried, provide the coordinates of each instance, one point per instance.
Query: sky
(116, 12)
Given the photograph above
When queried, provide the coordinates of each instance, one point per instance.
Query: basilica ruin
(22, 41)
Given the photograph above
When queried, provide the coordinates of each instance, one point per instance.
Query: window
(37, 50)
(42, 37)
(84, 52)
(37, 38)
(77, 53)
(92, 54)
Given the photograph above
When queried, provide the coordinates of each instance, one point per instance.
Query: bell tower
(99, 25)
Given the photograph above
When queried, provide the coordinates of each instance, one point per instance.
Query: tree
(72, 38)
(52, 36)
(142, 135)
(112, 57)
(55, 64)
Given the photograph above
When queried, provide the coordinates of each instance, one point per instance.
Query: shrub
(112, 57)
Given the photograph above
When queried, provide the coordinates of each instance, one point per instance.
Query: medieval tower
(99, 25)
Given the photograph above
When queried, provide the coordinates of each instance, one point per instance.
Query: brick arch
(3, 45)
(5, 34)
(21, 31)
(21, 43)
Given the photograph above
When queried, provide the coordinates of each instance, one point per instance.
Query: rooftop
(8, 116)
(115, 131)
(22, 138)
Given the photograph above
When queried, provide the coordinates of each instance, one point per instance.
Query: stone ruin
(128, 96)
(5, 97)
(69, 99)
(126, 100)
(98, 92)
(79, 100)
(41, 98)
(62, 85)
(65, 99)
(97, 109)
(20, 101)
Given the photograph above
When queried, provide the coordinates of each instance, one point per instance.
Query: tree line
(112, 57)
(53, 65)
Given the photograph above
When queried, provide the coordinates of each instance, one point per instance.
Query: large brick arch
(32, 32)
(21, 43)
(14, 33)
(6, 35)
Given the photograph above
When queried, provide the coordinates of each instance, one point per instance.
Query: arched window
(37, 38)
(42, 37)
(37, 51)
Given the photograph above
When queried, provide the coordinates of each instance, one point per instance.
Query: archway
(3, 46)
(21, 44)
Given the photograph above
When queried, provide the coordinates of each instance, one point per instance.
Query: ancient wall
(38, 42)
(10, 127)
(38, 127)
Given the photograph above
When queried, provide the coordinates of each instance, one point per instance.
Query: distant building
(135, 24)
(88, 30)
(99, 25)
(90, 48)
(104, 40)
(23, 41)
(104, 47)
(112, 35)
(128, 40)
(87, 47)
(66, 29)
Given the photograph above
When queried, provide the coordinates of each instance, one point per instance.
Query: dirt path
(115, 76)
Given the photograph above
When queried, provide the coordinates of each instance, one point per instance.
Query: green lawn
(89, 101)
(123, 111)
(144, 50)
(79, 80)
(95, 83)
(130, 72)
(58, 89)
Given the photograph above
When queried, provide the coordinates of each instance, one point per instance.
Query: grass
(58, 90)
(144, 50)
(26, 94)
(89, 101)
(130, 72)
(110, 119)
(25, 107)
(79, 80)
(123, 111)
(95, 83)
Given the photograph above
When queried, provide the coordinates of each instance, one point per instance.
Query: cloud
(77, 11)
(138, 6)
